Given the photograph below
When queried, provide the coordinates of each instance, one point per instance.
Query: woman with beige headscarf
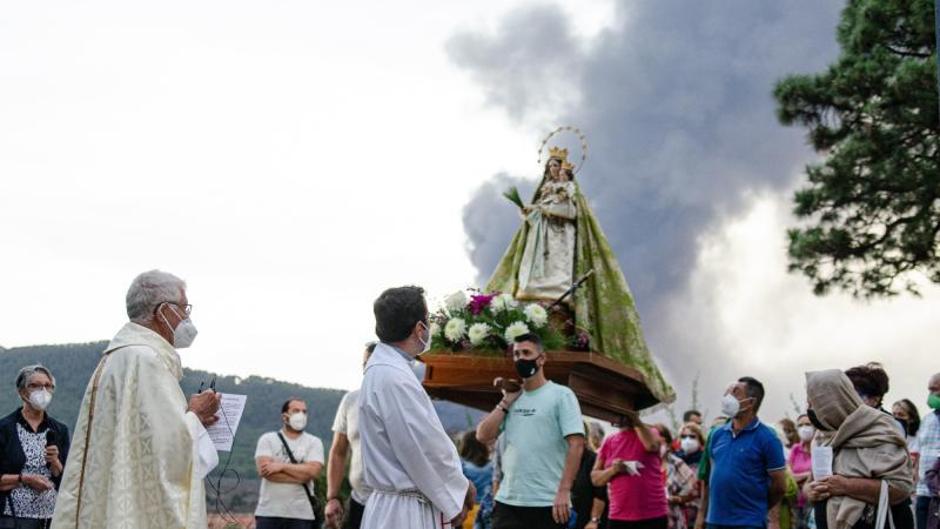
(867, 449)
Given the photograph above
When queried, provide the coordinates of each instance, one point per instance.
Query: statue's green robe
(603, 305)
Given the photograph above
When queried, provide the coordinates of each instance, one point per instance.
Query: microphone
(51, 437)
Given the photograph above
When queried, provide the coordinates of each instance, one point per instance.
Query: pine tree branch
(904, 53)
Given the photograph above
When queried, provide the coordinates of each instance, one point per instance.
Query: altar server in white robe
(140, 451)
(409, 462)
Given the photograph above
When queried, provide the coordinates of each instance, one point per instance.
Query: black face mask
(527, 368)
(811, 414)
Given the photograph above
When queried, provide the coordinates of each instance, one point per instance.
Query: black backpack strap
(290, 455)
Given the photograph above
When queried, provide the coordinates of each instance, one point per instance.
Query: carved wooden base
(605, 389)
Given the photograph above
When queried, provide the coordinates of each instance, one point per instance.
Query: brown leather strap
(91, 415)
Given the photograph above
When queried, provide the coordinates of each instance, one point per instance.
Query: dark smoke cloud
(490, 220)
(676, 100)
(529, 64)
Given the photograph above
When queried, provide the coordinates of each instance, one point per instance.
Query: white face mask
(806, 432)
(40, 399)
(690, 446)
(184, 333)
(426, 345)
(730, 406)
(298, 421)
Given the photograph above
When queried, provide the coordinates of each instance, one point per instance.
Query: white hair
(150, 289)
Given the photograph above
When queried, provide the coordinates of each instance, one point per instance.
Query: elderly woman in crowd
(867, 448)
(691, 450)
(691, 445)
(33, 448)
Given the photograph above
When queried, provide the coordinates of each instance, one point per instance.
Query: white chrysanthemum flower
(478, 332)
(456, 301)
(455, 329)
(536, 314)
(435, 329)
(514, 330)
(504, 302)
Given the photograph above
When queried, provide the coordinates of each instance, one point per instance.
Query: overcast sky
(290, 160)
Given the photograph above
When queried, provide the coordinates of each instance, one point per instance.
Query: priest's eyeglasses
(187, 308)
(34, 386)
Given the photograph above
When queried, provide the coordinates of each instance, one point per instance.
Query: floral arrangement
(489, 323)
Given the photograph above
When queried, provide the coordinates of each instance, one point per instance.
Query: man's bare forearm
(303, 471)
(335, 471)
(572, 462)
(869, 491)
(702, 507)
(284, 477)
(778, 488)
(488, 429)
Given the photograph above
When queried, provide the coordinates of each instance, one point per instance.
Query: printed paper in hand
(822, 462)
(230, 412)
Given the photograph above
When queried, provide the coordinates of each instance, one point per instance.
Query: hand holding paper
(229, 415)
(822, 462)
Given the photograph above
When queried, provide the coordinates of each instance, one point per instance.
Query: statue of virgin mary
(560, 241)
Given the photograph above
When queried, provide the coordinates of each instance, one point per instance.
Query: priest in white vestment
(140, 451)
(408, 460)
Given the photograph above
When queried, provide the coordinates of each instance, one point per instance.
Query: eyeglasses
(34, 386)
(187, 308)
(688, 437)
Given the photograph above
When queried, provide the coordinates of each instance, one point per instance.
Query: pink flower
(582, 341)
(478, 302)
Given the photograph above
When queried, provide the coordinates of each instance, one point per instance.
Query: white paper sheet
(230, 412)
(822, 462)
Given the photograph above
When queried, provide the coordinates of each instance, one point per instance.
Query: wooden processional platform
(605, 388)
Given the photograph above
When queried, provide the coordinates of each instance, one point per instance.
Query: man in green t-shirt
(543, 438)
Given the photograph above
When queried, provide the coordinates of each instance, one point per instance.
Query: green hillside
(73, 364)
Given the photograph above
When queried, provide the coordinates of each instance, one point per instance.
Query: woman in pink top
(629, 463)
(801, 464)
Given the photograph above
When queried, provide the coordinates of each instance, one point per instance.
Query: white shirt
(408, 460)
(287, 500)
(347, 423)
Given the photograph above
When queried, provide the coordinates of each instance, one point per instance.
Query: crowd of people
(140, 450)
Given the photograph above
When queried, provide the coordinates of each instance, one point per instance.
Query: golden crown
(567, 166)
(555, 152)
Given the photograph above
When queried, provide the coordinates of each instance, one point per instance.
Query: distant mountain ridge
(73, 365)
